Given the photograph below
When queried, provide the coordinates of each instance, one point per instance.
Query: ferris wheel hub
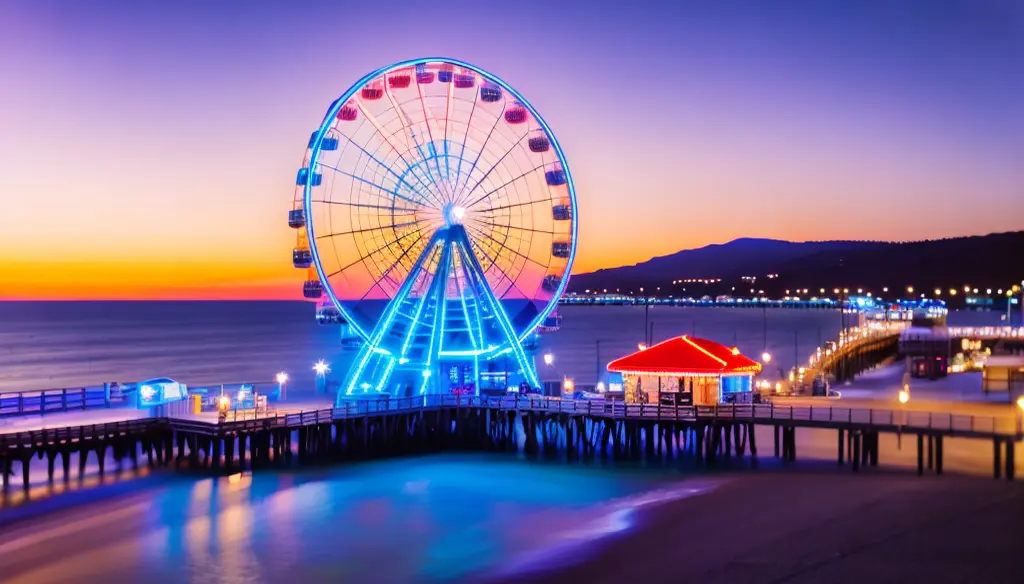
(453, 214)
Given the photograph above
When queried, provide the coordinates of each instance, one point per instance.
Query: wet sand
(809, 526)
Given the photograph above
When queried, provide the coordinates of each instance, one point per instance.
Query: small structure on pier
(928, 350)
(687, 371)
(1004, 373)
(160, 391)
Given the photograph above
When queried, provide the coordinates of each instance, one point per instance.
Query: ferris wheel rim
(325, 127)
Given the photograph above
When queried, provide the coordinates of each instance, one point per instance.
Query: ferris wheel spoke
(495, 165)
(400, 179)
(380, 131)
(497, 266)
(411, 139)
(447, 113)
(386, 274)
(369, 182)
(478, 154)
(391, 208)
(426, 122)
(465, 137)
(491, 192)
(517, 228)
(367, 230)
(376, 251)
(515, 205)
(482, 233)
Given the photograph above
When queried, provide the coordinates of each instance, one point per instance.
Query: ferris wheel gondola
(437, 210)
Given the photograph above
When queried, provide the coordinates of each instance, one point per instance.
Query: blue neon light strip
(389, 314)
(497, 308)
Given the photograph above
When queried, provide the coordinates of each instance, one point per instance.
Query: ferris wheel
(435, 210)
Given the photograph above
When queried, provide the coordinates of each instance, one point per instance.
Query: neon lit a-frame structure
(444, 317)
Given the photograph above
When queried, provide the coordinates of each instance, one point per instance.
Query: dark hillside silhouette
(995, 260)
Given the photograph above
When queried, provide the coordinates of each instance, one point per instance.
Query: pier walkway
(864, 347)
(574, 429)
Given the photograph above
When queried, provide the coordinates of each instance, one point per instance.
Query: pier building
(687, 371)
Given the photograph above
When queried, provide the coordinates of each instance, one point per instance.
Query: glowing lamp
(1020, 402)
(224, 403)
(282, 377)
(735, 351)
(549, 359)
(321, 368)
(904, 396)
(778, 386)
(241, 395)
(568, 385)
(766, 357)
(641, 347)
(459, 213)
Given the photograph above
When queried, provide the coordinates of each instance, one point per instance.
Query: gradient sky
(149, 149)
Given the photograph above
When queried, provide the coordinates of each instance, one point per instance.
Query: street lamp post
(1009, 298)
(282, 385)
(764, 325)
(647, 307)
(322, 369)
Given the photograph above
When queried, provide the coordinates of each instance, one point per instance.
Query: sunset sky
(149, 149)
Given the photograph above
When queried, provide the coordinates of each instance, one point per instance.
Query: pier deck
(574, 429)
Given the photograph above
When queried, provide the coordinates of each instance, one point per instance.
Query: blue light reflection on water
(442, 518)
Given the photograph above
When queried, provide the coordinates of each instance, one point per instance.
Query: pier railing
(813, 416)
(45, 401)
(897, 420)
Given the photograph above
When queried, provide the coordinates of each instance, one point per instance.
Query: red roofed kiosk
(687, 371)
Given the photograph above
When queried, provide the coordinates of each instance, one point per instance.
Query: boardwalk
(549, 427)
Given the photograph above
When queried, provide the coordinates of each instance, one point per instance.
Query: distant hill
(995, 260)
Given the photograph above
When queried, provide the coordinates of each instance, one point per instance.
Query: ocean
(45, 345)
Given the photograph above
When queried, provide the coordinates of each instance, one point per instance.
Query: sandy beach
(809, 526)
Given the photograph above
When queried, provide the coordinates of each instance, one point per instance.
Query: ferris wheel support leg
(439, 292)
(369, 349)
(474, 267)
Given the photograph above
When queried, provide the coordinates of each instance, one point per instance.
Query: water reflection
(430, 519)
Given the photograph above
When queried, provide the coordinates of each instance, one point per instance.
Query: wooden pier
(540, 427)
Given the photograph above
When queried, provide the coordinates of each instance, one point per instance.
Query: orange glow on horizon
(136, 280)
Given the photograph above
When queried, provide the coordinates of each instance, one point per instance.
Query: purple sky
(152, 146)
